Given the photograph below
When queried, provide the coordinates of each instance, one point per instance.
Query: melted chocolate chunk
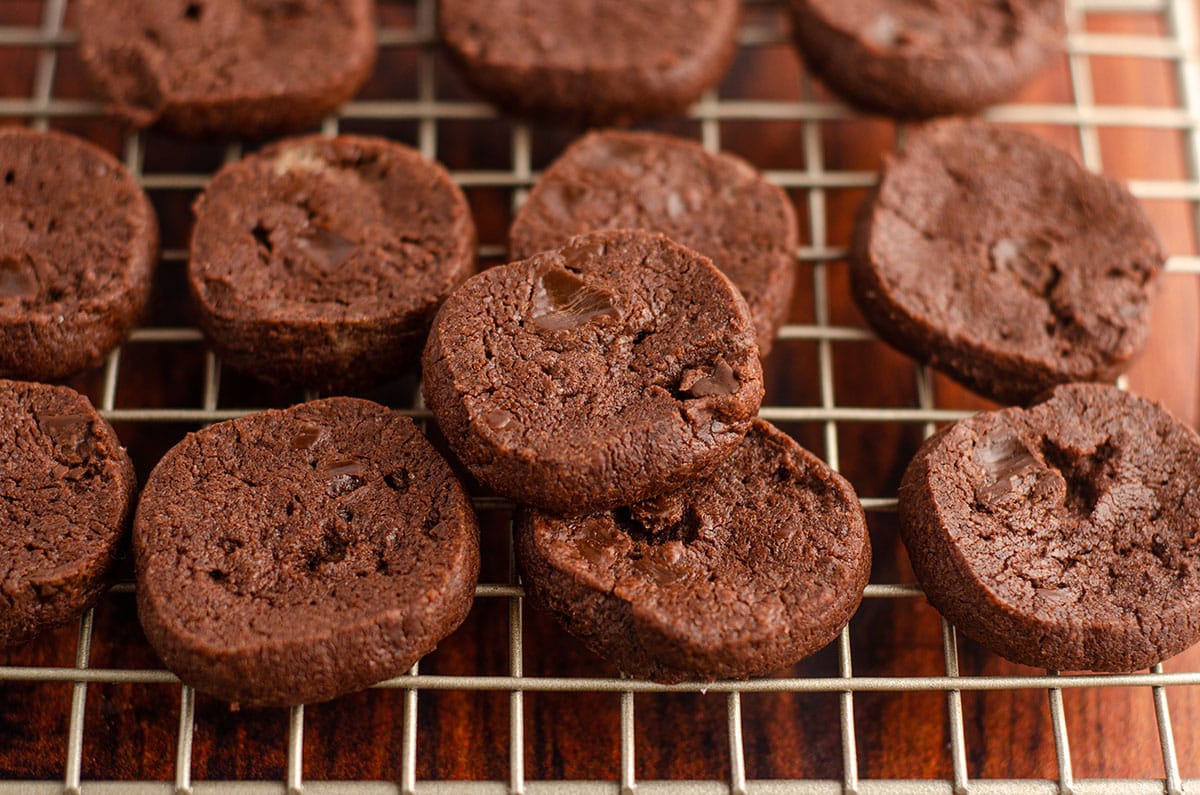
(563, 301)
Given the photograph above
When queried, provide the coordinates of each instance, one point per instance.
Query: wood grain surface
(130, 730)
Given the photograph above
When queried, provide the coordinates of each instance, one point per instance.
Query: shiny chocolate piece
(737, 574)
(562, 381)
(66, 494)
(1065, 535)
(320, 262)
(78, 247)
(272, 573)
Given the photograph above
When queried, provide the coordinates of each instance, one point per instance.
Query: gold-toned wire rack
(42, 107)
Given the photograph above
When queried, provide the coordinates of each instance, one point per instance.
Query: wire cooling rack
(36, 33)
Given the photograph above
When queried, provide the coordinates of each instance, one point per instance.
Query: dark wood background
(130, 730)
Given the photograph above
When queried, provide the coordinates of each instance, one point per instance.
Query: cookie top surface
(917, 58)
(591, 61)
(78, 240)
(202, 66)
(612, 369)
(295, 555)
(1063, 535)
(970, 255)
(739, 573)
(66, 492)
(717, 204)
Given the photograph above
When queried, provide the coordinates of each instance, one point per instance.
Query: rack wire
(1177, 47)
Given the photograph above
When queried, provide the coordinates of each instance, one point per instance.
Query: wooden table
(829, 384)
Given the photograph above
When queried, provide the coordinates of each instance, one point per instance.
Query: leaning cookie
(616, 368)
(78, 246)
(66, 493)
(1064, 535)
(919, 59)
(1001, 261)
(591, 61)
(737, 574)
(292, 556)
(320, 262)
(227, 67)
(714, 203)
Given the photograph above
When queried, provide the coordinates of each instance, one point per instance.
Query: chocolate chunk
(556, 379)
(716, 204)
(78, 246)
(738, 573)
(590, 62)
(266, 580)
(66, 494)
(919, 58)
(1064, 535)
(969, 256)
(227, 67)
(320, 262)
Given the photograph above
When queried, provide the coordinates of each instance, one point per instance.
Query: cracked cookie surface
(320, 262)
(66, 493)
(78, 247)
(1065, 535)
(227, 67)
(613, 369)
(921, 58)
(716, 204)
(291, 556)
(1002, 262)
(736, 574)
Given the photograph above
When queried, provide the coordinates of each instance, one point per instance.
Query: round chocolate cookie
(66, 492)
(736, 574)
(320, 262)
(78, 246)
(999, 260)
(716, 204)
(591, 61)
(1065, 535)
(920, 58)
(227, 67)
(293, 556)
(614, 369)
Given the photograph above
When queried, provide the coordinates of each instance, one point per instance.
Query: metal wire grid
(1179, 48)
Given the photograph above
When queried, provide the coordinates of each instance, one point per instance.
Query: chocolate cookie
(736, 574)
(320, 262)
(999, 260)
(66, 493)
(614, 369)
(1063, 535)
(78, 246)
(716, 204)
(920, 58)
(591, 61)
(292, 556)
(227, 67)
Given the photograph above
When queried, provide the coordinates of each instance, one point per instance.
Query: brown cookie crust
(292, 556)
(320, 262)
(66, 493)
(1064, 535)
(999, 260)
(922, 58)
(591, 62)
(227, 67)
(78, 247)
(612, 370)
(716, 204)
(736, 574)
